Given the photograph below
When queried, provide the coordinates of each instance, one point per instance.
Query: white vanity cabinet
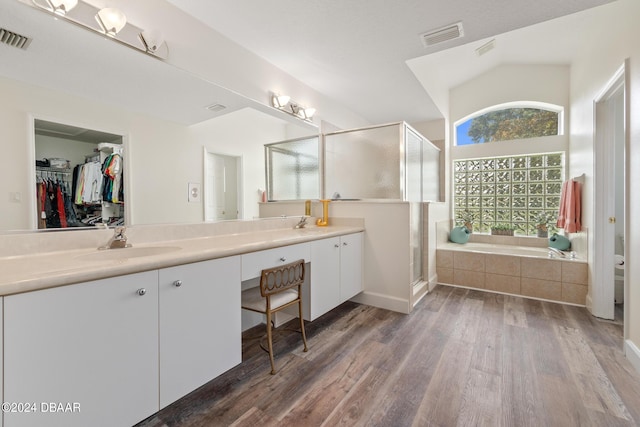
(336, 274)
(350, 266)
(84, 354)
(200, 330)
(322, 292)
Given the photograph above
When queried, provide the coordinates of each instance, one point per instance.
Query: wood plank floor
(462, 358)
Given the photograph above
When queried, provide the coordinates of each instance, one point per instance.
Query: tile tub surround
(34, 261)
(514, 270)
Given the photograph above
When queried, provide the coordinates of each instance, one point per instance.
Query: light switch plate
(194, 192)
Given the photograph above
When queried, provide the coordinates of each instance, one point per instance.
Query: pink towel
(570, 214)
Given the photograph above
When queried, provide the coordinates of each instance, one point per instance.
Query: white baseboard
(383, 301)
(633, 354)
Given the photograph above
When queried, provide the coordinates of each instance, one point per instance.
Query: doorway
(222, 187)
(611, 195)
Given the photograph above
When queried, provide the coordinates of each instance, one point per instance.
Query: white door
(610, 192)
(92, 347)
(200, 336)
(222, 187)
(350, 266)
(325, 277)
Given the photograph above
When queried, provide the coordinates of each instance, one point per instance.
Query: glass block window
(512, 190)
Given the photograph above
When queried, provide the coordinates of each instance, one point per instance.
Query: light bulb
(111, 20)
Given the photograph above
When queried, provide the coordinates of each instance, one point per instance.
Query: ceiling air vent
(216, 107)
(14, 39)
(443, 34)
(488, 46)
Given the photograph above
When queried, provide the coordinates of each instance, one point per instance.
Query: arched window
(513, 120)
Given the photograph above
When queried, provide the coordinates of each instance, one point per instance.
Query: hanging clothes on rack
(53, 198)
(88, 183)
(53, 216)
(570, 210)
(112, 171)
(60, 205)
(41, 194)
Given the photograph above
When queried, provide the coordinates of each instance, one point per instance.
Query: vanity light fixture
(286, 104)
(61, 7)
(111, 20)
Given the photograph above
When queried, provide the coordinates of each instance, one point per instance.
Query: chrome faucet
(118, 240)
(555, 251)
(302, 222)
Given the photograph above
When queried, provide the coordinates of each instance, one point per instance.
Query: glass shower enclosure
(387, 162)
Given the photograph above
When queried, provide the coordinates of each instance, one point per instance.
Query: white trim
(602, 290)
(632, 352)
(387, 302)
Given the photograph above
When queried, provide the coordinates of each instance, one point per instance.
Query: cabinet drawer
(253, 263)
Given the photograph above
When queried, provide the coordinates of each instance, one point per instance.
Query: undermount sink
(127, 253)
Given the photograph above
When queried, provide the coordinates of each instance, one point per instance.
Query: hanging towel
(570, 212)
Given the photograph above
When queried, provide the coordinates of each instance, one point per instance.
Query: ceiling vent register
(443, 34)
(14, 39)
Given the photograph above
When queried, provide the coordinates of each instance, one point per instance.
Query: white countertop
(26, 273)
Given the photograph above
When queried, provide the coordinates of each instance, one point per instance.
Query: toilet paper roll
(619, 260)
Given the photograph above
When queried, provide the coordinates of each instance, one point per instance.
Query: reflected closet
(79, 176)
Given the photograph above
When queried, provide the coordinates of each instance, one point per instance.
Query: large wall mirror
(72, 77)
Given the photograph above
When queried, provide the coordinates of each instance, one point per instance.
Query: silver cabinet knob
(283, 259)
(336, 245)
(142, 291)
(177, 283)
(345, 244)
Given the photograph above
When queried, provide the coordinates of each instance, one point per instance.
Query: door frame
(207, 183)
(603, 283)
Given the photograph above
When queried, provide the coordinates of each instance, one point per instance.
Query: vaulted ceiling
(356, 51)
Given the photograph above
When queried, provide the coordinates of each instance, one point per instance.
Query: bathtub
(514, 270)
(522, 251)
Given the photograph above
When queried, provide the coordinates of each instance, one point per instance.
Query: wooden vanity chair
(280, 287)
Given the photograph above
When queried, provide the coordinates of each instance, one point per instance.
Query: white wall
(75, 151)
(161, 157)
(511, 82)
(244, 134)
(589, 75)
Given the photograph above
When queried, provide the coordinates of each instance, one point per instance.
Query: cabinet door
(350, 266)
(200, 328)
(324, 292)
(83, 355)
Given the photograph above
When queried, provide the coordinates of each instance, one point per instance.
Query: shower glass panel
(413, 163)
(430, 172)
(292, 169)
(364, 163)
